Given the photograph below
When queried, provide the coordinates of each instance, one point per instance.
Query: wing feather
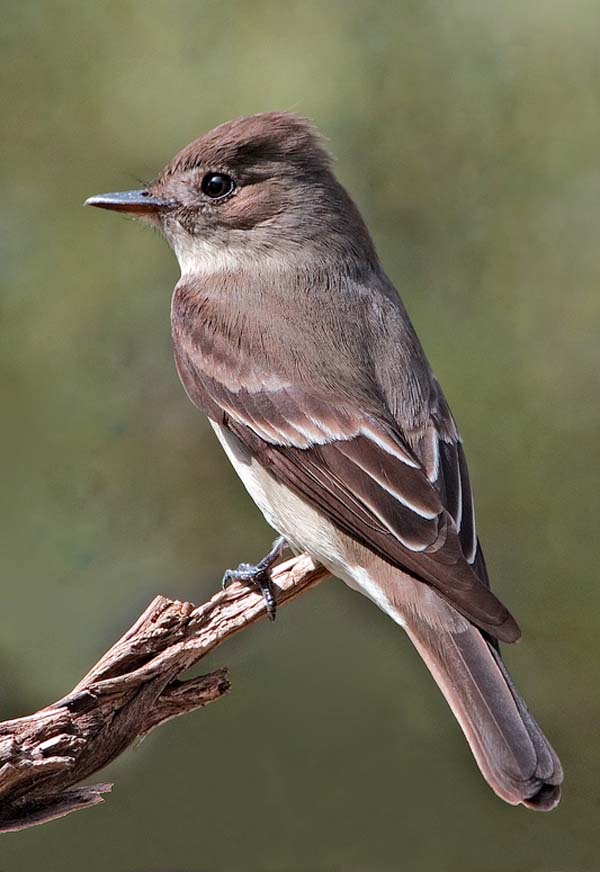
(407, 500)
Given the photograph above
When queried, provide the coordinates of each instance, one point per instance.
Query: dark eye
(217, 185)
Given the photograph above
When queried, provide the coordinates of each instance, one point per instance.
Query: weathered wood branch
(133, 688)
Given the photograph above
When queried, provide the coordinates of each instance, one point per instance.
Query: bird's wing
(411, 506)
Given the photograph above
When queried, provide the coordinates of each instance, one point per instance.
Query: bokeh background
(468, 131)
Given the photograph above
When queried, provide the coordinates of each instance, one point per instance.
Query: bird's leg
(259, 574)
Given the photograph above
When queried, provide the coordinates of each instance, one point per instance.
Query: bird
(289, 336)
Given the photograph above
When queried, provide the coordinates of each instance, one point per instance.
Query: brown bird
(291, 338)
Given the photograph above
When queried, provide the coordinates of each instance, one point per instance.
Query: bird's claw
(244, 573)
(259, 575)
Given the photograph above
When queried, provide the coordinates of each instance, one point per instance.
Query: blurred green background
(468, 131)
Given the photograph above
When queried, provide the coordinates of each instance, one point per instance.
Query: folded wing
(409, 504)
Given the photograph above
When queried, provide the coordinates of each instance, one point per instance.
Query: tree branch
(133, 688)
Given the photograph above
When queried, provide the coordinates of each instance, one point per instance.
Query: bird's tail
(511, 751)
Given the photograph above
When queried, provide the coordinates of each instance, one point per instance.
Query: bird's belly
(305, 529)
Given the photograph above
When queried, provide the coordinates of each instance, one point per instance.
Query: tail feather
(511, 751)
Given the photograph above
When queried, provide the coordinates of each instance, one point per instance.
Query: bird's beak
(130, 202)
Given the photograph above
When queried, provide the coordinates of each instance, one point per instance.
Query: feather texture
(403, 494)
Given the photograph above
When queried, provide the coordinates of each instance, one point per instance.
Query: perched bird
(291, 338)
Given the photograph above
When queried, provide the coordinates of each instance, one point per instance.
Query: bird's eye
(217, 185)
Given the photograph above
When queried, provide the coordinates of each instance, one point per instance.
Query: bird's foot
(259, 575)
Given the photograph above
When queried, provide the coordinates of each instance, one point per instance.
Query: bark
(132, 689)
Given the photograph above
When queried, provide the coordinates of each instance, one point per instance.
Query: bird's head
(253, 188)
